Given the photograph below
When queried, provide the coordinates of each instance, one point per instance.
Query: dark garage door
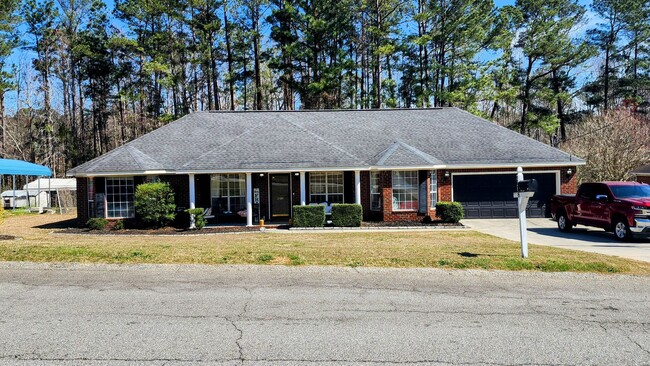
(490, 195)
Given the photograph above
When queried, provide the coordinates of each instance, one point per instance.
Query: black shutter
(422, 204)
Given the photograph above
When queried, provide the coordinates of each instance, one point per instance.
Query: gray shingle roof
(272, 140)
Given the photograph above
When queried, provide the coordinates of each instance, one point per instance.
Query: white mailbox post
(522, 203)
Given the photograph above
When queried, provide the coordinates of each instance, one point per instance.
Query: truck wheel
(563, 223)
(622, 230)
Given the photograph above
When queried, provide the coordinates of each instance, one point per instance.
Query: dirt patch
(7, 237)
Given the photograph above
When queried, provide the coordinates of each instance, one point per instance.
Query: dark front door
(280, 196)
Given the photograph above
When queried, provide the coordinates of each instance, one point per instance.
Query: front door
(280, 196)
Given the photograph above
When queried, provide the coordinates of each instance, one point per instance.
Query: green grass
(440, 249)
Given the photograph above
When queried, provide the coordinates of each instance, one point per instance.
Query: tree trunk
(259, 102)
(526, 98)
(559, 104)
(3, 153)
(231, 81)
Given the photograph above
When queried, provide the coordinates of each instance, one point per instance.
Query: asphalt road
(545, 232)
(231, 315)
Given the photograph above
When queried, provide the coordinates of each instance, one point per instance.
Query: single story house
(396, 163)
(643, 174)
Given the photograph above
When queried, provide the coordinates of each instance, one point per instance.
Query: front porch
(248, 197)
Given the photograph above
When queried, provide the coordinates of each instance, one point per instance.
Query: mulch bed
(166, 231)
(409, 224)
(7, 237)
(240, 229)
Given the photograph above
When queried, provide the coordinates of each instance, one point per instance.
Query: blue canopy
(19, 167)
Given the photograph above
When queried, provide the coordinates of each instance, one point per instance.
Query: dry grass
(442, 249)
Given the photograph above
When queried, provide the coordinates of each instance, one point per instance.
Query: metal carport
(19, 167)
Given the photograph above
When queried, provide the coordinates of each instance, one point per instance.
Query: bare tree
(613, 144)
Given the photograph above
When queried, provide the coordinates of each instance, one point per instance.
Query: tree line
(92, 78)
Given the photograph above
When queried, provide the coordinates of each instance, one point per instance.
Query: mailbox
(529, 185)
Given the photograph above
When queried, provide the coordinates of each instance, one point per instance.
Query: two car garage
(490, 195)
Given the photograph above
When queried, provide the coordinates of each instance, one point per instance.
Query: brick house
(643, 174)
(396, 163)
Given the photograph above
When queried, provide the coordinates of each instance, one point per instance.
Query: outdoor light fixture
(446, 173)
(569, 172)
(296, 174)
(261, 174)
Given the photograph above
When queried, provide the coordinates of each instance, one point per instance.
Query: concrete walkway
(545, 232)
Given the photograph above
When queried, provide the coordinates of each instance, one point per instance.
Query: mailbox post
(525, 190)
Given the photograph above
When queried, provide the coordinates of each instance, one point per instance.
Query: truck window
(635, 191)
(586, 192)
(601, 189)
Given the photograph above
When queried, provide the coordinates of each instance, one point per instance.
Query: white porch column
(249, 199)
(303, 189)
(192, 200)
(357, 187)
(192, 192)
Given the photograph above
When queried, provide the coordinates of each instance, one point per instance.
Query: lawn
(440, 249)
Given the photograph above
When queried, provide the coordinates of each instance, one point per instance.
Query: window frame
(327, 184)
(375, 176)
(217, 190)
(108, 195)
(413, 175)
(433, 188)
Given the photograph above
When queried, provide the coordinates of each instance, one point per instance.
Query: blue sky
(24, 57)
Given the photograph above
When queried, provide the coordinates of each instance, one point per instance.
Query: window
(375, 195)
(433, 188)
(326, 187)
(405, 190)
(119, 198)
(228, 192)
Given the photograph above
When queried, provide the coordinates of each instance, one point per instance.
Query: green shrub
(347, 215)
(450, 211)
(309, 216)
(154, 204)
(96, 223)
(119, 225)
(199, 218)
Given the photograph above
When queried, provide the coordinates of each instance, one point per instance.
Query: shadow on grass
(63, 224)
(468, 255)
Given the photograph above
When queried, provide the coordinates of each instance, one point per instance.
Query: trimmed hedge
(154, 204)
(450, 211)
(309, 216)
(347, 215)
(97, 223)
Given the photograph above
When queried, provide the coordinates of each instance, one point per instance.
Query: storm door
(280, 196)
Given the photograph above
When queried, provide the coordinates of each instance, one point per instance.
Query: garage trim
(557, 177)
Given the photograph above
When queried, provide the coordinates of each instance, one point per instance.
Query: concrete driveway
(545, 232)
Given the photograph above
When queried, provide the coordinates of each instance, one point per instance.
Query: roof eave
(321, 169)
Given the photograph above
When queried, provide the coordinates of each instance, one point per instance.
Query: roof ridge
(388, 152)
(137, 155)
(324, 110)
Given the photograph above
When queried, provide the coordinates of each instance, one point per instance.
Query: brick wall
(180, 184)
(365, 195)
(643, 179)
(82, 201)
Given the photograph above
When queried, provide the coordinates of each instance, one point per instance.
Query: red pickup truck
(620, 207)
